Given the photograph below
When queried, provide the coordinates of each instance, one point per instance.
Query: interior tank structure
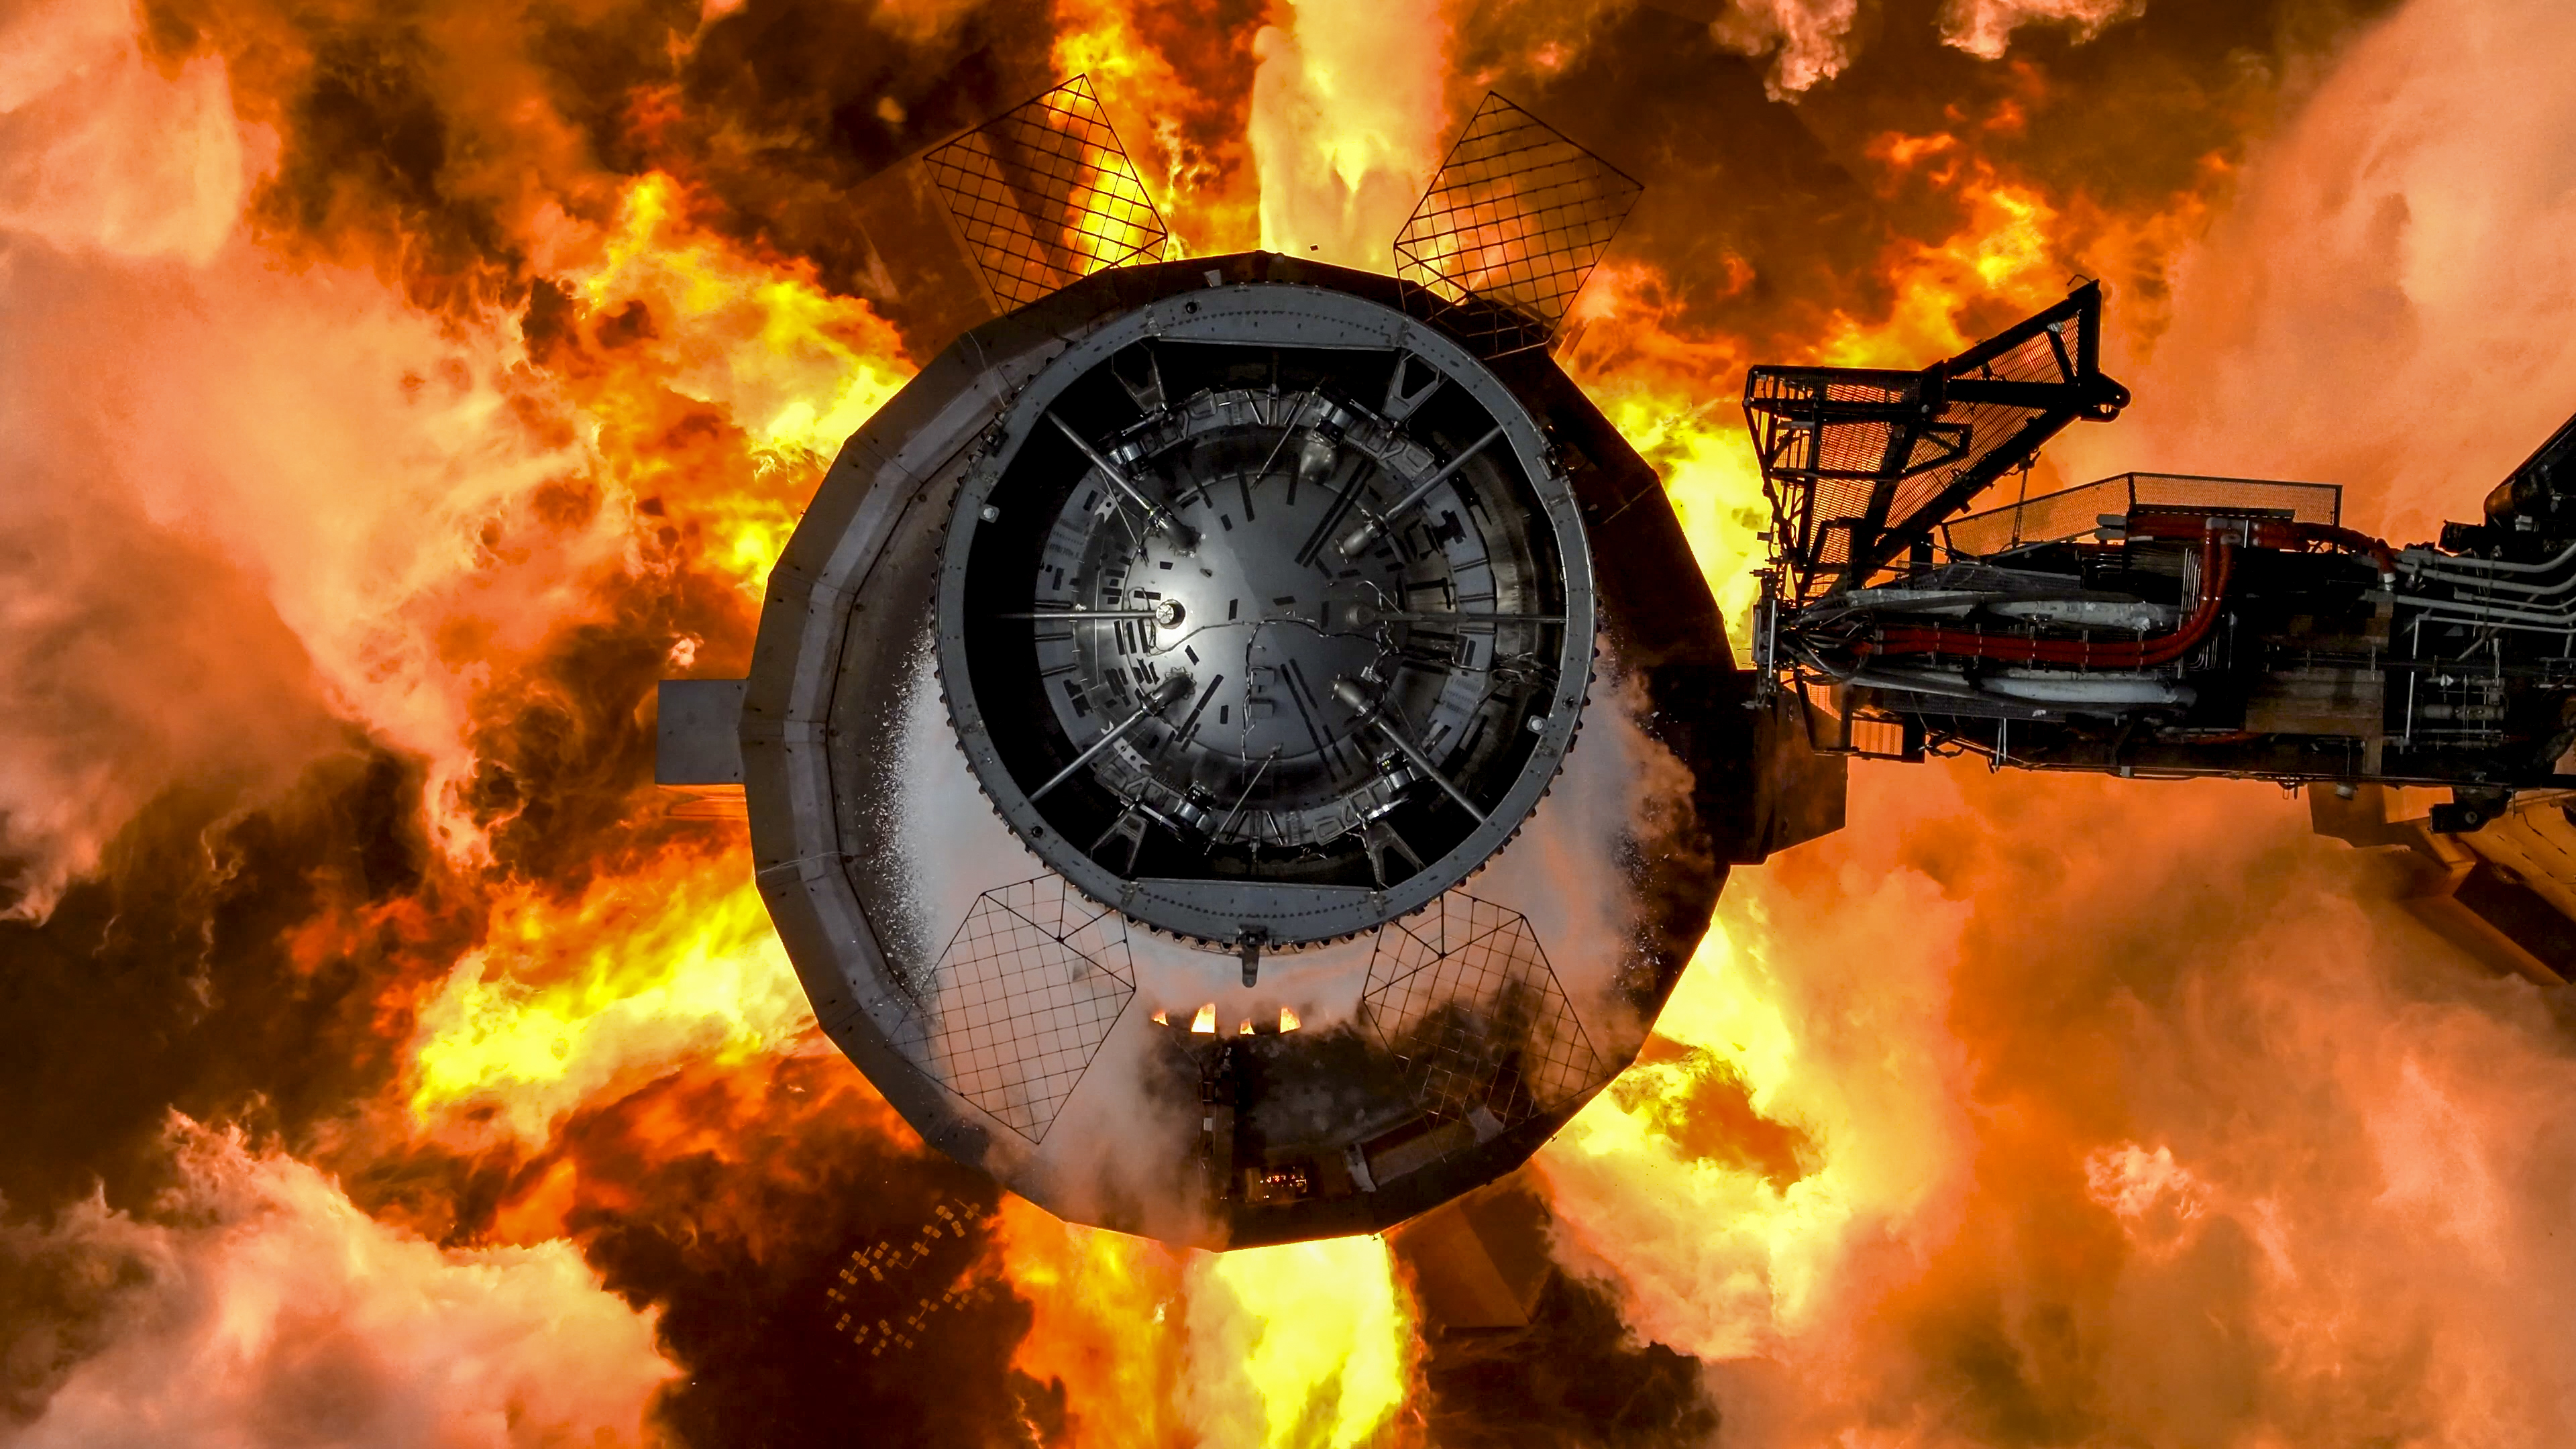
(1210, 743)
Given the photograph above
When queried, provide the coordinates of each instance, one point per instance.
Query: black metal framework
(1515, 220)
(1464, 997)
(1861, 464)
(1045, 195)
(1015, 1008)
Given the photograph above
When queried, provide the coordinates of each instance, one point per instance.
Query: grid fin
(1013, 1011)
(1045, 195)
(1515, 220)
(1464, 998)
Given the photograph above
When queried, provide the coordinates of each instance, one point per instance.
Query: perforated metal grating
(1860, 462)
(1045, 195)
(1464, 997)
(1516, 217)
(2046, 356)
(1015, 1008)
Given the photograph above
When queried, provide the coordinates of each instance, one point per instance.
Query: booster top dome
(1149, 739)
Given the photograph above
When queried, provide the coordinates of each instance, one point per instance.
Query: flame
(1650, 375)
(677, 315)
(1295, 1347)
(712, 387)
(1109, 1319)
(1193, 162)
(1716, 491)
(1790, 1169)
(1755, 1246)
(564, 1001)
(1319, 1333)
(1346, 125)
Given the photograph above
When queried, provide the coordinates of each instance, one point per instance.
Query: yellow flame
(818, 365)
(1288, 1020)
(1107, 1319)
(1316, 1353)
(562, 1002)
(794, 367)
(1726, 1258)
(1204, 202)
(1306, 1346)
(1654, 384)
(1706, 461)
(2005, 254)
(1205, 1022)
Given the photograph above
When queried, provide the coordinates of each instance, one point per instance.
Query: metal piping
(1156, 514)
(1174, 685)
(2218, 548)
(1348, 691)
(2418, 559)
(1361, 537)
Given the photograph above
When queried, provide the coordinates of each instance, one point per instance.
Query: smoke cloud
(1810, 42)
(2011, 1135)
(1984, 28)
(2386, 307)
(2199, 1142)
(256, 1304)
(397, 395)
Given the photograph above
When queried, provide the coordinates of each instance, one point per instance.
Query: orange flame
(677, 317)
(1803, 1121)
(563, 1003)
(1305, 1345)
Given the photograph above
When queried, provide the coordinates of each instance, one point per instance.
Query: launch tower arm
(2146, 623)
(1862, 464)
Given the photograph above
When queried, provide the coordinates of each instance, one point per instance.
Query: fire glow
(1945, 1103)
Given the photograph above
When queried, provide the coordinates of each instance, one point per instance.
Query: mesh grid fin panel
(1464, 997)
(1045, 195)
(1862, 463)
(1015, 1008)
(1515, 218)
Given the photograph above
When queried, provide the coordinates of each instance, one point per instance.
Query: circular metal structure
(1265, 644)
(1203, 609)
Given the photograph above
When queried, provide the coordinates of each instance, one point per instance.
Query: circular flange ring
(1234, 909)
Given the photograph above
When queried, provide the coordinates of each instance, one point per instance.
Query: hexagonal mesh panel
(1011, 1013)
(1045, 194)
(1516, 218)
(1463, 995)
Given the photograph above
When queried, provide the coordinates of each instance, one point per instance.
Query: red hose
(2217, 554)
(2218, 538)
(2280, 533)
